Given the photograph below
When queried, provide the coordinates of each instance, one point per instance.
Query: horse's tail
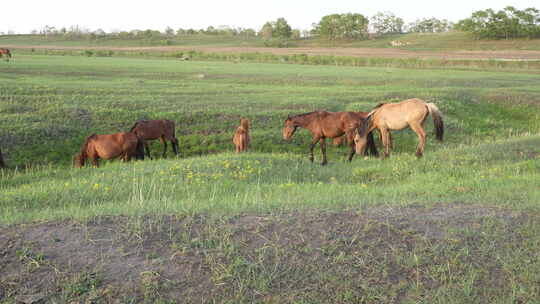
(139, 149)
(8, 53)
(437, 120)
(81, 157)
(86, 143)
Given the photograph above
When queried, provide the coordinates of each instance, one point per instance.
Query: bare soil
(338, 51)
(199, 258)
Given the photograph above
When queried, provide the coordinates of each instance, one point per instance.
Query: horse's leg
(417, 128)
(174, 143)
(2, 164)
(95, 161)
(350, 141)
(323, 150)
(351, 154)
(147, 148)
(312, 146)
(386, 142)
(164, 142)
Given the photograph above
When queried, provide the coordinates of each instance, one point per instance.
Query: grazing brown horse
(162, 129)
(410, 113)
(323, 124)
(6, 52)
(2, 163)
(241, 137)
(121, 145)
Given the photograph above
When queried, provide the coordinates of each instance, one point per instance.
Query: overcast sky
(22, 16)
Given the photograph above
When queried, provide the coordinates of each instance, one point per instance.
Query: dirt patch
(304, 255)
(340, 51)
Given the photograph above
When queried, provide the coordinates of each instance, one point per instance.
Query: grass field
(457, 226)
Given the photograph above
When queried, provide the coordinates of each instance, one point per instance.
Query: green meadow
(484, 180)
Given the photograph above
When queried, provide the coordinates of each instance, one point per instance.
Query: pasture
(459, 225)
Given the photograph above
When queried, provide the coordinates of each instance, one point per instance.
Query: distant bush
(429, 25)
(343, 26)
(508, 23)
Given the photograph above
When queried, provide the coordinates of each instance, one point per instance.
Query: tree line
(508, 23)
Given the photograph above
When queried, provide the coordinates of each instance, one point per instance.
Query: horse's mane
(303, 114)
(379, 105)
(133, 128)
(135, 125)
(364, 126)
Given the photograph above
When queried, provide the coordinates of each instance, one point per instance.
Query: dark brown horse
(323, 124)
(6, 52)
(410, 113)
(241, 137)
(156, 129)
(121, 145)
(2, 163)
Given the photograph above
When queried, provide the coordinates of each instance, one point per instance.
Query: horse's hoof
(324, 163)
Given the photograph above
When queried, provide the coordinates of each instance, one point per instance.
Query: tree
(276, 29)
(386, 23)
(342, 26)
(429, 25)
(281, 29)
(169, 31)
(504, 24)
(296, 34)
(267, 31)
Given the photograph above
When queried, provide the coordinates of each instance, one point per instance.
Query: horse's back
(154, 129)
(399, 115)
(112, 145)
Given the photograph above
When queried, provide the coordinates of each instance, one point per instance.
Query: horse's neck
(305, 120)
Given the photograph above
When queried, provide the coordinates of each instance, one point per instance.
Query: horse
(123, 145)
(241, 138)
(4, 51)
(342, 140)
(162, 129)
(322, 125)
(410, 113)
(2, 163)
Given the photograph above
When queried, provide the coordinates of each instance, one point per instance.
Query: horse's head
(289, 128)
(360, 137)
(244, 122)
